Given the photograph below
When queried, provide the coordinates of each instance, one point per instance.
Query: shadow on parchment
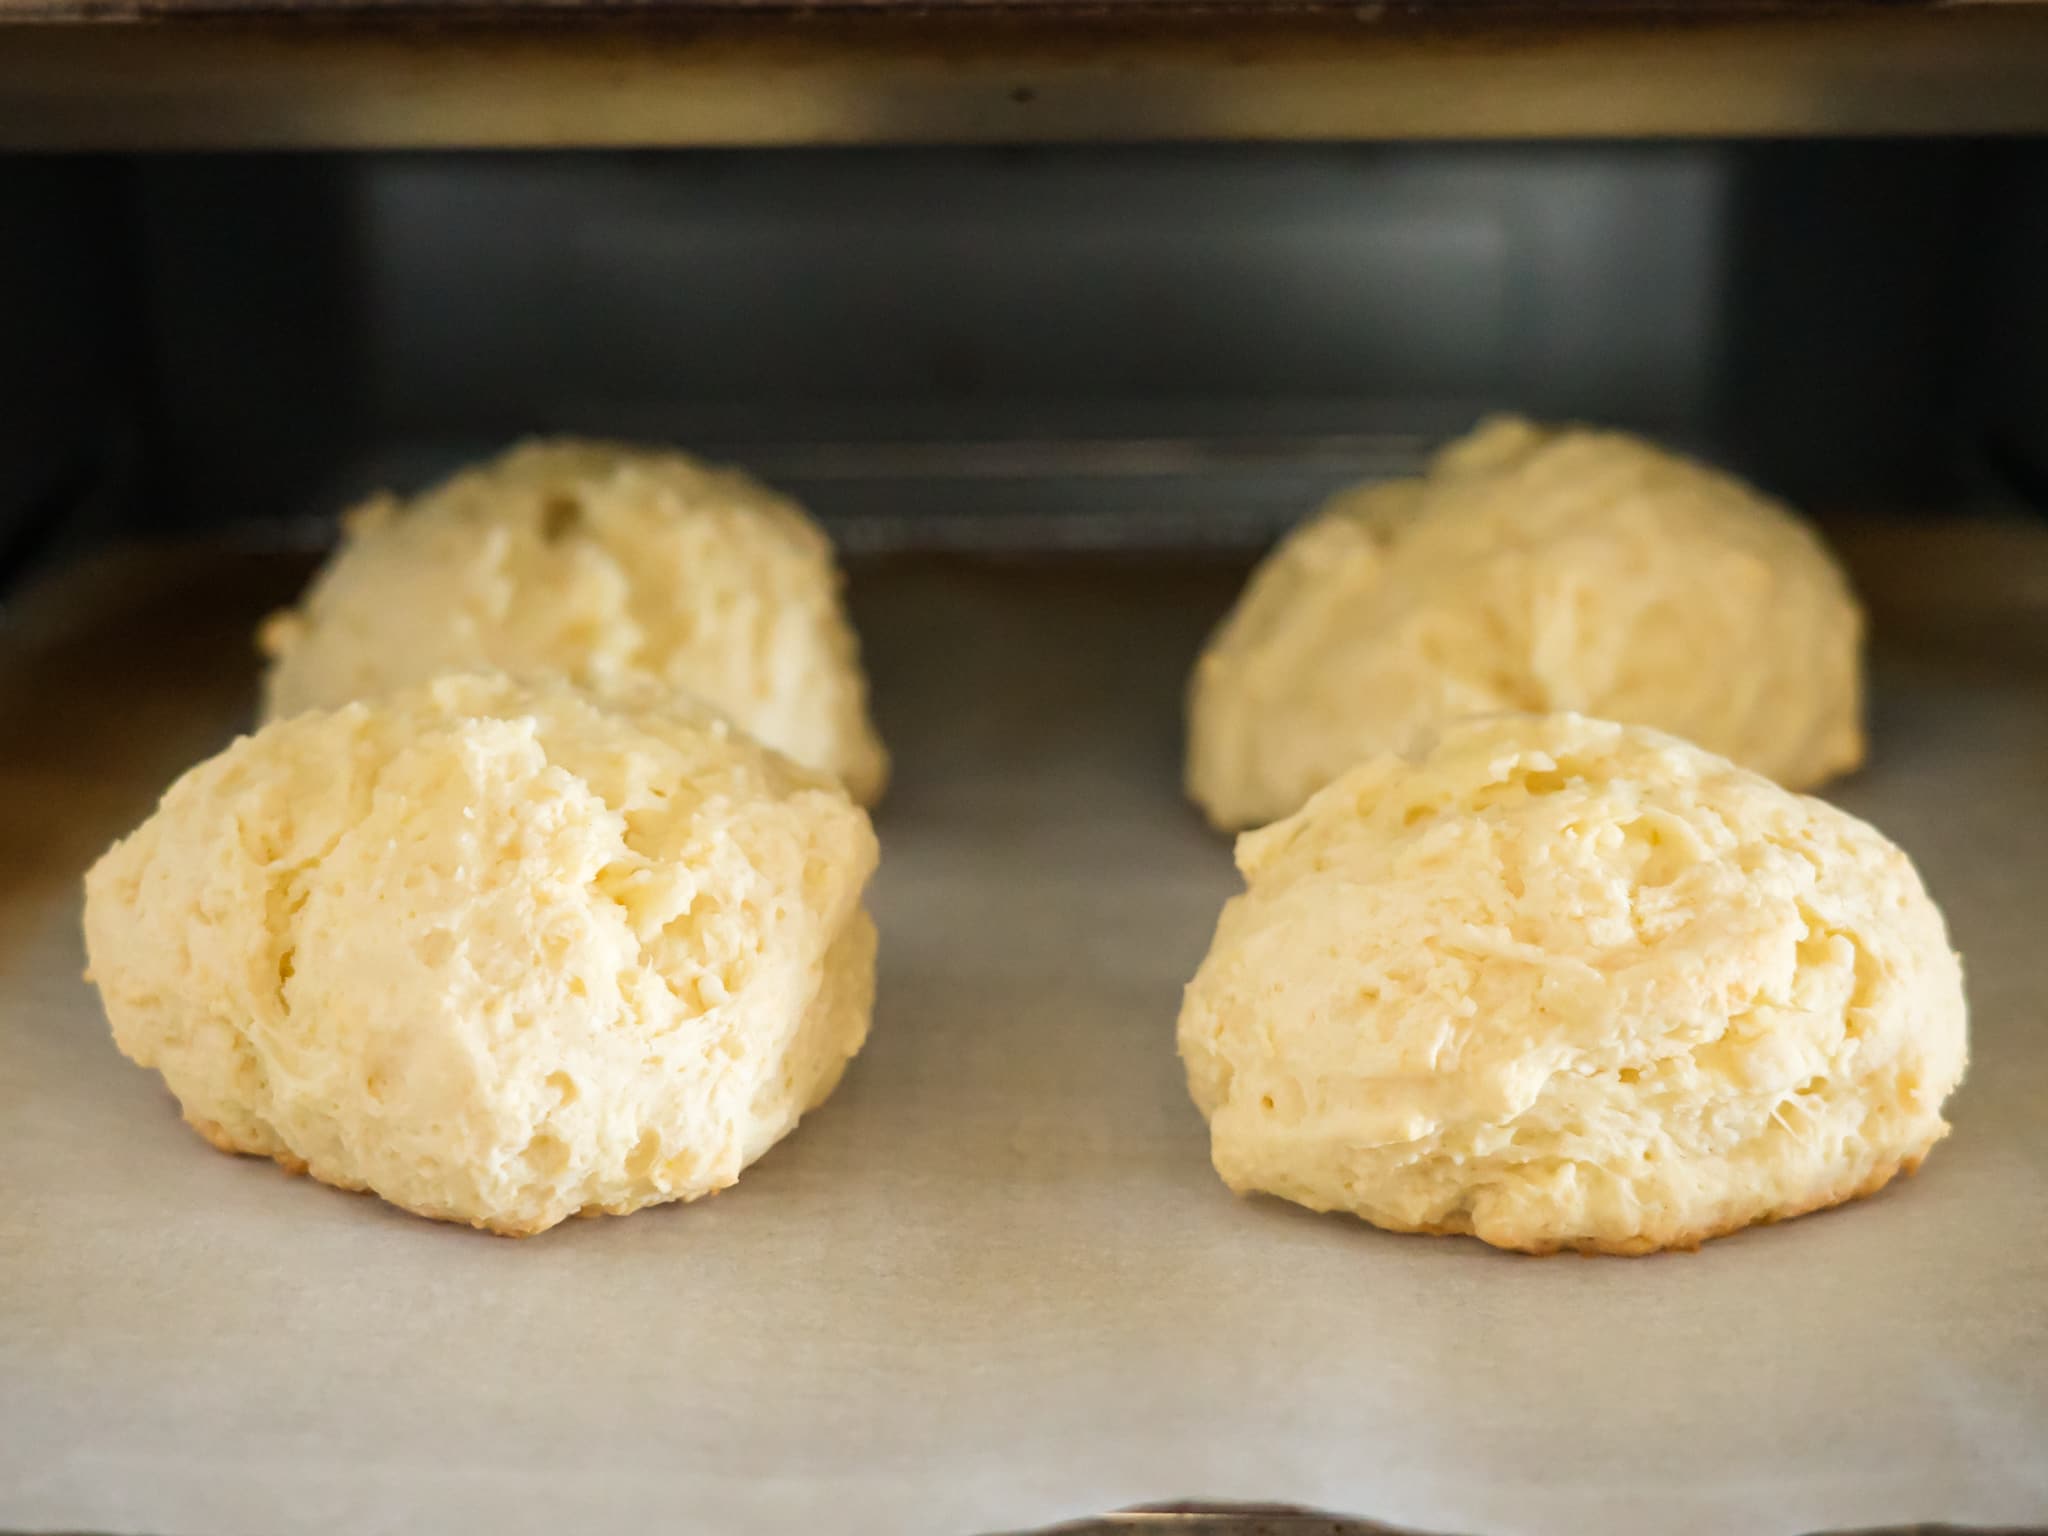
(116, 675)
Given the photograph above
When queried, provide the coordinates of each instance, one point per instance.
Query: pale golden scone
(1560, 983)
(609, 565)
(1530, 570)
(496, 951)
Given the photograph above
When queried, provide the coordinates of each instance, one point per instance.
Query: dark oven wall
(1130, 345)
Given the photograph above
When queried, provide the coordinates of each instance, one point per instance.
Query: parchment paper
(994, 1283)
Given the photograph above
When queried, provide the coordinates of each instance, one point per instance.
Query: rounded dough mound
(1560, 983)
(1530, 570)
(494, 951)
(609, 565)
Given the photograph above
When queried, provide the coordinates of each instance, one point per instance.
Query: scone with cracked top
(497, 951)
(1529, 569)
(610, 565)
(1562, 983)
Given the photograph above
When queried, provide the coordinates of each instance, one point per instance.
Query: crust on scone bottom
(1681, 1242)
(221, 1139)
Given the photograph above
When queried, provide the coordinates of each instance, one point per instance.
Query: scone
(1530, 570)
(495, 951)
(1561, 983)
(609, 565)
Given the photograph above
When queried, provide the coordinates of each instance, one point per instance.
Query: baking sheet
(993, 1284)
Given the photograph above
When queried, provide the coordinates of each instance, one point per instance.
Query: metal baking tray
(993, 1284)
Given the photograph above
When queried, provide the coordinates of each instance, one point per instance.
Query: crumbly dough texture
(1561, 983)
(609, 565)
(1530, 570)
(496, 951)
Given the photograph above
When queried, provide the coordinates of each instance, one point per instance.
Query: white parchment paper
(993, 1283)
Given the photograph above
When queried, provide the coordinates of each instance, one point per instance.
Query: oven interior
(1050, 401)
(1014, 347)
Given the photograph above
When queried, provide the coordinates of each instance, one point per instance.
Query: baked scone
(610, 565)
(495, 951)
(1529, 570)
(1561, 983)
